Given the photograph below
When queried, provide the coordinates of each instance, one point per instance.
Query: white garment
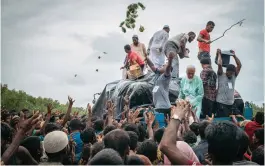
(158, 58)
(124, 74)
(157, 42)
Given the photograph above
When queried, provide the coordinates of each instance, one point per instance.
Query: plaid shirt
(209, 78)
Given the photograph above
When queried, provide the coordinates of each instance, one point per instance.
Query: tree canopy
(18, 100)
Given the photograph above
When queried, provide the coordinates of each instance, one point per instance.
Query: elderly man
(191, 89)
(177, 45)
(156, 46)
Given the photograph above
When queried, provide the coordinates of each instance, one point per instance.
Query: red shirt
(203, 46)
(133, 56)
(250, 128)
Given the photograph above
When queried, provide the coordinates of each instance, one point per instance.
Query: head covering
(166, 26)
(186, 149)
(55, 141)
(135, 36)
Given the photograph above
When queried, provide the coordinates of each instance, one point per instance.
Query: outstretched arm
(168, 142)
(238, 64)
(220, 62)
(169, 63)
(67, 115)
(152, 66)
(184, 51)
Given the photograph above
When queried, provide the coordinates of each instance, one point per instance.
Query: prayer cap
(165, 26)
(55, 141)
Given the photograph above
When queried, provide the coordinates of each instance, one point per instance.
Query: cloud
(45, 43)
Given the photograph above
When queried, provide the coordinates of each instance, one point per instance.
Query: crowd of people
(190, 137)
(136, 139)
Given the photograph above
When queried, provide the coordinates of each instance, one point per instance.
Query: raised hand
(181, 109)
(150, 118)
(126, 100)
(89, 110)
(49, 109)
(71, 101)
(111, 108)
(218, 51)
(210, 119)
(26, 125)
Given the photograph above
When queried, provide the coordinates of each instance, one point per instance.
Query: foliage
(256, 108)
(131, 15)
(18, 100)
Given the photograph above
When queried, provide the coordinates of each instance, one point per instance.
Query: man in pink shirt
(132, 58)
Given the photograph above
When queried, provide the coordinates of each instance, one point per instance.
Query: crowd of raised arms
(190, 136)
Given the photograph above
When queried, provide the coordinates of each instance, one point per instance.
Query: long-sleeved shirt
(158, 40)
(192, 90)
(209, 78)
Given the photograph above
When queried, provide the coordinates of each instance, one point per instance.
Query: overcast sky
(46, 42)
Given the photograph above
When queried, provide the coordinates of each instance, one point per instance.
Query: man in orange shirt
(204, 41)
(132, 58)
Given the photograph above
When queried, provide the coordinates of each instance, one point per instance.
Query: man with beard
(226, 86)
(191, 89)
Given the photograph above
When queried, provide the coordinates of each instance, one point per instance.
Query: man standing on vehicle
(177, 46)
(226, 85)
(161, 88)
(138, 47)
(204, 41)
(156, 46)
(209, 78)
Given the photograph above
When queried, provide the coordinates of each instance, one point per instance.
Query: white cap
(165, 26)
(55, 141)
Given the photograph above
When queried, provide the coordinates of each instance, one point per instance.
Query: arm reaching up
(219, 62)
(89, 115)
(25, 126)
(67, 115)
(238, 63)
(168, 142)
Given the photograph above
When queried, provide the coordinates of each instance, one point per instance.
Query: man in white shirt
(177, 45)
(156, 46)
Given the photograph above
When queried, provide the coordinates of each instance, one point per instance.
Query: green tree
(18, 100)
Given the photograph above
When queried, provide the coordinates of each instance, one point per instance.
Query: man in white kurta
(156, 46)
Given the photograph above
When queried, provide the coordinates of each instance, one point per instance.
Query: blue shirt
(79, 144)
